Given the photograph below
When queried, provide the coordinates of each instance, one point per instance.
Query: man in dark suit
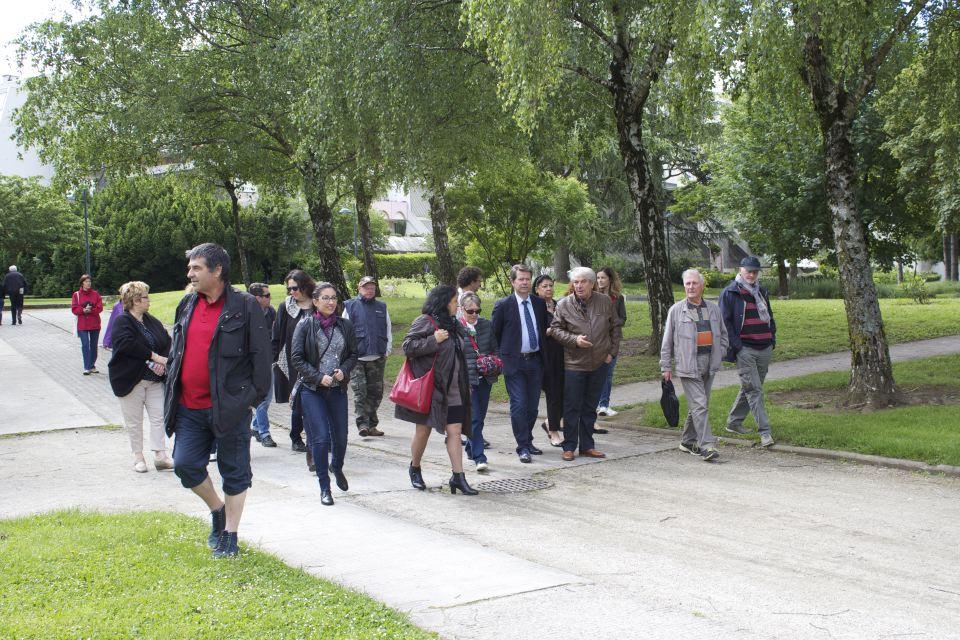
(520, 324)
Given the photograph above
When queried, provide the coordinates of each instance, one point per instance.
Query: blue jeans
(88, 346)
(261, 422)
(604, 400)
(479, 400)
(523, 387)
(194, 442)
(580, 392)
(325, 421)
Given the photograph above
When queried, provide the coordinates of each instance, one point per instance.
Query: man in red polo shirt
(218, 372)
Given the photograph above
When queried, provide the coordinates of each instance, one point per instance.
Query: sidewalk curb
(825, 454)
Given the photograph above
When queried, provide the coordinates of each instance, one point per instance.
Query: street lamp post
(86, 229)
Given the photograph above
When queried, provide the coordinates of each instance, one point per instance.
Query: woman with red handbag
(434, 351)
(483, 367)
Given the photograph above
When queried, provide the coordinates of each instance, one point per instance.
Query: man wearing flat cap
(752, 331)
(371, 321)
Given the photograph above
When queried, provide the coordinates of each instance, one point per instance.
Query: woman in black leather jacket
(324, 352)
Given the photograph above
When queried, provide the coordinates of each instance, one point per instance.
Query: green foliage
(630, 270)
(405, 265)
(916, 288)
(34, 220)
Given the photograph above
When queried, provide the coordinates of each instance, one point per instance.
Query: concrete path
(648, 543)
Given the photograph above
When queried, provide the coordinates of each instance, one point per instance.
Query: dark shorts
(455, 414)
(194, 442)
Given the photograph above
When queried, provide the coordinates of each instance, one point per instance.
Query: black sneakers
(227, 545)
(690, 447)
(267, 441)
(218, 520)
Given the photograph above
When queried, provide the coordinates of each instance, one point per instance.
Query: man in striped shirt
(745, 307)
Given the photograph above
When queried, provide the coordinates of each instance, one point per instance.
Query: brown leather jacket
(598, 320)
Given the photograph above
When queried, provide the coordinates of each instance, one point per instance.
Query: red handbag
(415, 394)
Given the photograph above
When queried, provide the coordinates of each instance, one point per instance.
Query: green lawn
(929, 433)
(804, 327)
(150, 575)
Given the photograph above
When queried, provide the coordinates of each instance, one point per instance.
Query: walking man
(695, 337)
(218, 371)
(589, 328)
(519, 325)
(15, 285)
(371, 321)
(261, 421)
(745, 306)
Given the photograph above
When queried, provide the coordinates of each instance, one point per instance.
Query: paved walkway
(764, 545)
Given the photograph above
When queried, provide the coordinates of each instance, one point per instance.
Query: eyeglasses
(471, 311)
(326, 298)
(292, 289)
(143, 297)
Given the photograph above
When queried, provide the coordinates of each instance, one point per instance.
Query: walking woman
(435, 340)
(297, 306)
(137, 372)
(324, 352)
(552, 364)
(608, 283)
(87, 306)
(478, 340)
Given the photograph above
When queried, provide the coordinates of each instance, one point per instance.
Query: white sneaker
(603, 411)
(481, 467)
(611, 412)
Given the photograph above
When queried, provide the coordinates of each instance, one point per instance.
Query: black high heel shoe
(416, 478)
(459, 481)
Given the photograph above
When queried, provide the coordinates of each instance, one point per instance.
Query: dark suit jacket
(508, 332)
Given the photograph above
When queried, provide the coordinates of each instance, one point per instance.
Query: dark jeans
(88, 346)
(523, 387)
(325, 421)
(580, 394)
(479, 400)
(16, 307)
(194, 442)
(296, 419)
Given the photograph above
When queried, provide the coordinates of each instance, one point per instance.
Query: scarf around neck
(326, 322)
(762, 310)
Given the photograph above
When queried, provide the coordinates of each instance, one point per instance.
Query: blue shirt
(525, 346)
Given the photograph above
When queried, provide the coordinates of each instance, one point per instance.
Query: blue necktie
(531, 328)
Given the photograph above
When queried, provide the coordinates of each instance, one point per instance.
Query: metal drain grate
(513, 485)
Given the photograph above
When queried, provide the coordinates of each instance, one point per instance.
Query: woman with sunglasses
(552, 365)
(478, 340)
(324, 352)
(297, 306)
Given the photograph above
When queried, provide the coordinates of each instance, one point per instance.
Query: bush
(890, 277)
(916, 288)
(717, 279)
(405, 265)
(630, 270)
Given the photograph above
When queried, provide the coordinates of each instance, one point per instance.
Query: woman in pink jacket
(87, 306)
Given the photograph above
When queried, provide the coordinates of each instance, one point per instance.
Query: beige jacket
(600, 323)
(680, 340)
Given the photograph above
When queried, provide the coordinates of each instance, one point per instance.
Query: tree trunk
(362, 199)
(782, 277)
(446, 270)
(649, 220)
(871, 378)
(231, 189)
(946, 256)
(561, 262)
(794, 271)
(321, 219)
(954, 257)
(899, 272)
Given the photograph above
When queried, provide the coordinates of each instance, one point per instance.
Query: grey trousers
(696, 428)
(752, 365)
(366, 380)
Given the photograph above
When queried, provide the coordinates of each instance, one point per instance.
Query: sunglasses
(472, 311)
(264, 295)
(292, 289)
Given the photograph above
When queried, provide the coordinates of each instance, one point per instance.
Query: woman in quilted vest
(479, 347)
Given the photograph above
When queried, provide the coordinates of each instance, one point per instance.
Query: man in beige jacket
(587, 325)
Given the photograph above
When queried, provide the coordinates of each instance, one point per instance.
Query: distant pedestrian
(15, 286)
(587, 325)
(543, 287)
(261, 420)
(434, 340)
(87, 305)
(371, 321)
(478, 341)
(469, 279)
(745, 306)
(296, 306)
(108, 332)
(137, 372)
(324, 353)
(608, 283)
(519, 327)
(693, 347)
(219, 368)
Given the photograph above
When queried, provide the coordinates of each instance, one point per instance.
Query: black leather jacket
(240, 360)
(305, 352)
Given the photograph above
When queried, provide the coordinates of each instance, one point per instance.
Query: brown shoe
(592, 453)
(373, 431)
(568, 456)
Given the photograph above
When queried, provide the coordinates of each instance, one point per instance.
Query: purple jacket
(107, 337)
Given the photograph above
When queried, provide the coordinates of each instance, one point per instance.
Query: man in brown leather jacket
(588, 327)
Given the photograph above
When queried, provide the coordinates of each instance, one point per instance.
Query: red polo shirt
(195, 370)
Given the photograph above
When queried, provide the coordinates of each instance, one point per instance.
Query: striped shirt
(754, 333)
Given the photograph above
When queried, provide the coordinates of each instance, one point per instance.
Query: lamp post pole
(86, 229)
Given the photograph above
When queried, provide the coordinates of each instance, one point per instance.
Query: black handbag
(669, 403)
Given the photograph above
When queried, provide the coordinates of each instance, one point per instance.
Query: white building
(14, 160)
(408, 213)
